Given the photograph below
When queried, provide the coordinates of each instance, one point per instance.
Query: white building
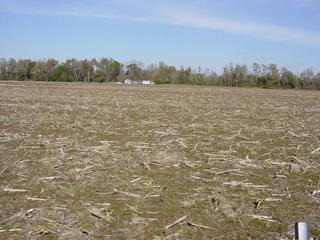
(147, 82)
(137, 82)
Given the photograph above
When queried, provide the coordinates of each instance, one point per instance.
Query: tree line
(110, 70)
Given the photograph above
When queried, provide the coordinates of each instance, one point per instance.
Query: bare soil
(102, 161)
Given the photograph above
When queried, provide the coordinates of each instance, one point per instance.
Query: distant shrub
(157, 79)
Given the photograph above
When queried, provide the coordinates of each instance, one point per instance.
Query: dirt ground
(103, 161)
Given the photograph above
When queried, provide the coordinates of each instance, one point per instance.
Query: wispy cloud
(173, 13)
(249, 28)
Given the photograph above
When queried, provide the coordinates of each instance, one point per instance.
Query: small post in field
(301, 231)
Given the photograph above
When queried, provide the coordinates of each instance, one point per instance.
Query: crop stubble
(101, 161)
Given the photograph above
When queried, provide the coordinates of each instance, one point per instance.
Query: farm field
(102, 161)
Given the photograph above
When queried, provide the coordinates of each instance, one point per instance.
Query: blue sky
(199, 33)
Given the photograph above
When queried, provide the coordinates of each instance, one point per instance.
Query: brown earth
(102, 161)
